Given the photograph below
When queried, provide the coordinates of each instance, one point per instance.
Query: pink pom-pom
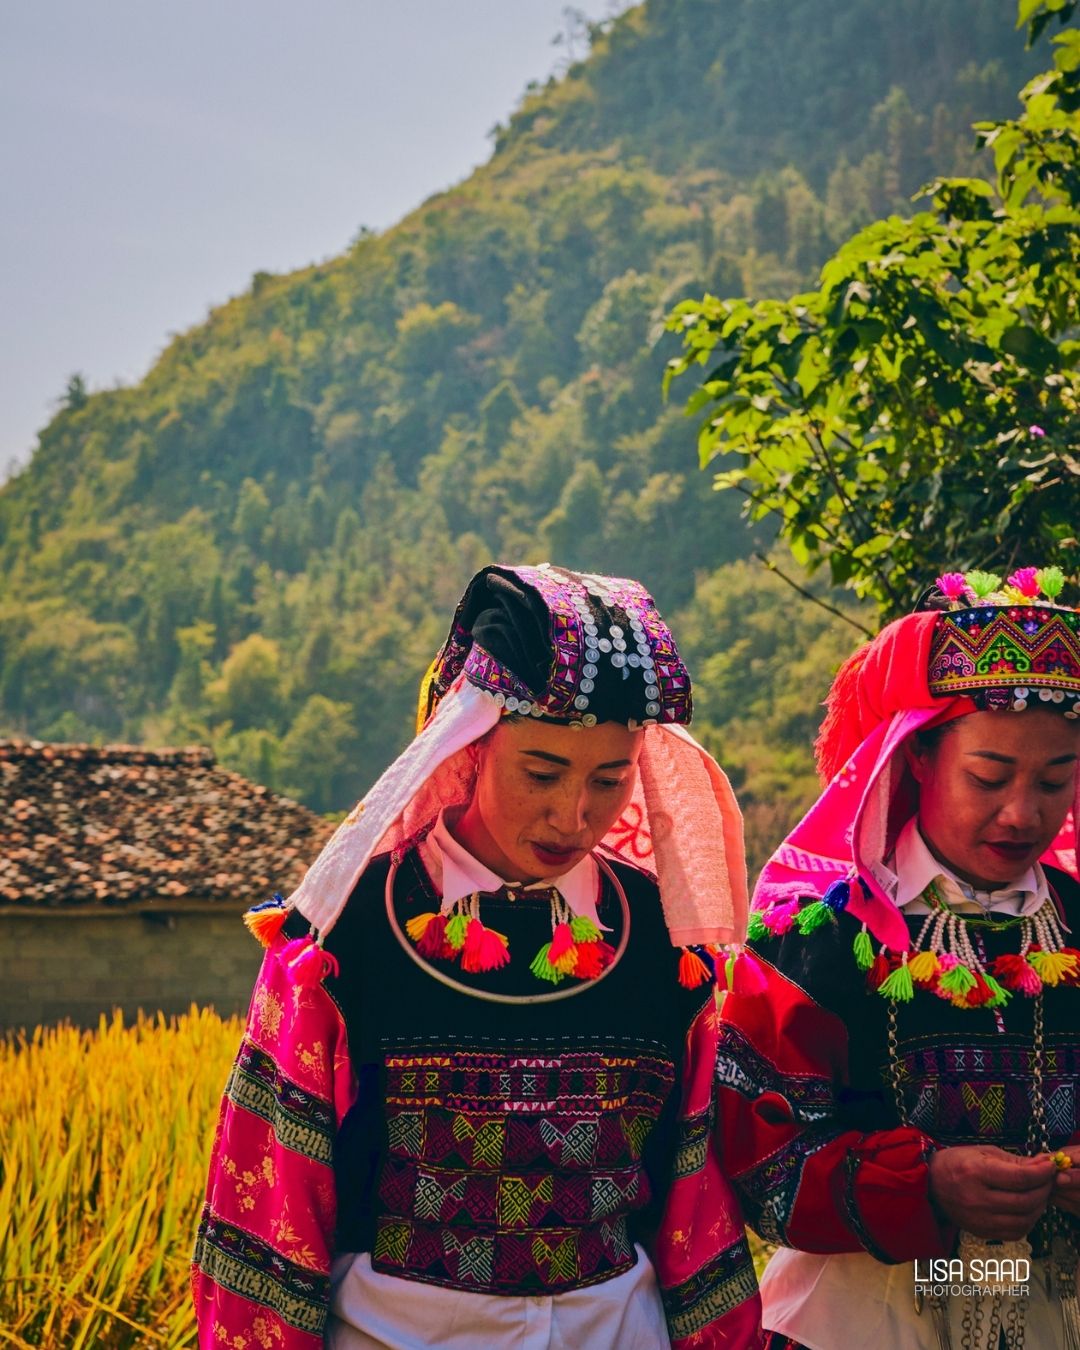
(1026, 581)
(749, 977)
(947, 961)
(779, 918)
(561, 941)
(952, 585)
(309, 965)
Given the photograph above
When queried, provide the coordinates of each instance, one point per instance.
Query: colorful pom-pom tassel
(456, 928)
(583, 929)
(957, 982)
(265, 921)
(432, 942)
(812, 916)
(998, 996)
(837, 896)
(898, 985)
(590, 960)
(562, 940)
(307, 963)
(924, 967)
(484, 949)
(1053, 967)
(864, 951)
(542, 968)
(1017, 974)
(1074, 976)
(745, 974)
(878, 972)
(779, 918)
(417, 926)
(692, 970)
(755, 928)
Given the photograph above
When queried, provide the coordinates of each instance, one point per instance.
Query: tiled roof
(117, 825)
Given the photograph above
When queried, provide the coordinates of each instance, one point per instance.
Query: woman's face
(994, 791)
(547, 794)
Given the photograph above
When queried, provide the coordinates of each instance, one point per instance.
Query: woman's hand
(991, 1193)
(1066, 1190)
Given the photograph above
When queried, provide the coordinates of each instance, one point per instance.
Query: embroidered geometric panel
(969, 1094)
(514, 1173)
(991, 653)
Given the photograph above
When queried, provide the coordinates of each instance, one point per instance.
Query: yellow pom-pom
(417, 926)
(1053, 967)
(924, 967)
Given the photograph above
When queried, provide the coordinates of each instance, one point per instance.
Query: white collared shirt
(456, 874)
(915, 867)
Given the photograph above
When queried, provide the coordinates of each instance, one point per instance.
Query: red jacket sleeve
(702, 1258)
(804, 1180)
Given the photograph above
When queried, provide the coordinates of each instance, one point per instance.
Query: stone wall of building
(76, 963)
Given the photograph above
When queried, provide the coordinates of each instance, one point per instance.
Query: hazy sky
(155, 154)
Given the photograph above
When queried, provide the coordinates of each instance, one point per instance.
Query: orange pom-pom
(265, 922)
(692, 970)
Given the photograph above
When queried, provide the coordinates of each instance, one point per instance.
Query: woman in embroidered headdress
(472, 1106)
(897, 1090)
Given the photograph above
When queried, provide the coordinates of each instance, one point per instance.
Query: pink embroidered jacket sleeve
(261, 1266)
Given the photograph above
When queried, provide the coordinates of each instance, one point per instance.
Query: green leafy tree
(249, 692)
(317, 751)
(922, 407)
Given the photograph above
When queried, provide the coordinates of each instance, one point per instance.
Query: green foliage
(759, 654)
(921, 408)
(264, 539)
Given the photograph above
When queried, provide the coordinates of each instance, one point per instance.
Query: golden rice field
(104, 1139)
(104, 1143)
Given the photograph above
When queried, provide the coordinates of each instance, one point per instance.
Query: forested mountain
(259, 545)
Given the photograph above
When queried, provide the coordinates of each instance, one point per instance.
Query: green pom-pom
(584, 930)
(729, 971)
(756, 930)
(812, 916)
(957, 981)
(982, 583)
(1001, 994)
(456, 928)
(898, 985)
(542, 968)
(1051, 581)
(864, 952)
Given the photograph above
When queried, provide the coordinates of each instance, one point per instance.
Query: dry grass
(104, 1140)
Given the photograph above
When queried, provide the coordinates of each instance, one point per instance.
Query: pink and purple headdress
(977, 644)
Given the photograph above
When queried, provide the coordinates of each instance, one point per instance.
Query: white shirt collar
(458, 874)
(916, 867)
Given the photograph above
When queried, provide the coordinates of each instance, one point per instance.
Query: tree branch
(770, 566)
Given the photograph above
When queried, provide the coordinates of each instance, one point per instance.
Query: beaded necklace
(947, 958)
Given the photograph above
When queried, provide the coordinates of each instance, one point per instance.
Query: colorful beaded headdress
(572, 646)
(1009, 647)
